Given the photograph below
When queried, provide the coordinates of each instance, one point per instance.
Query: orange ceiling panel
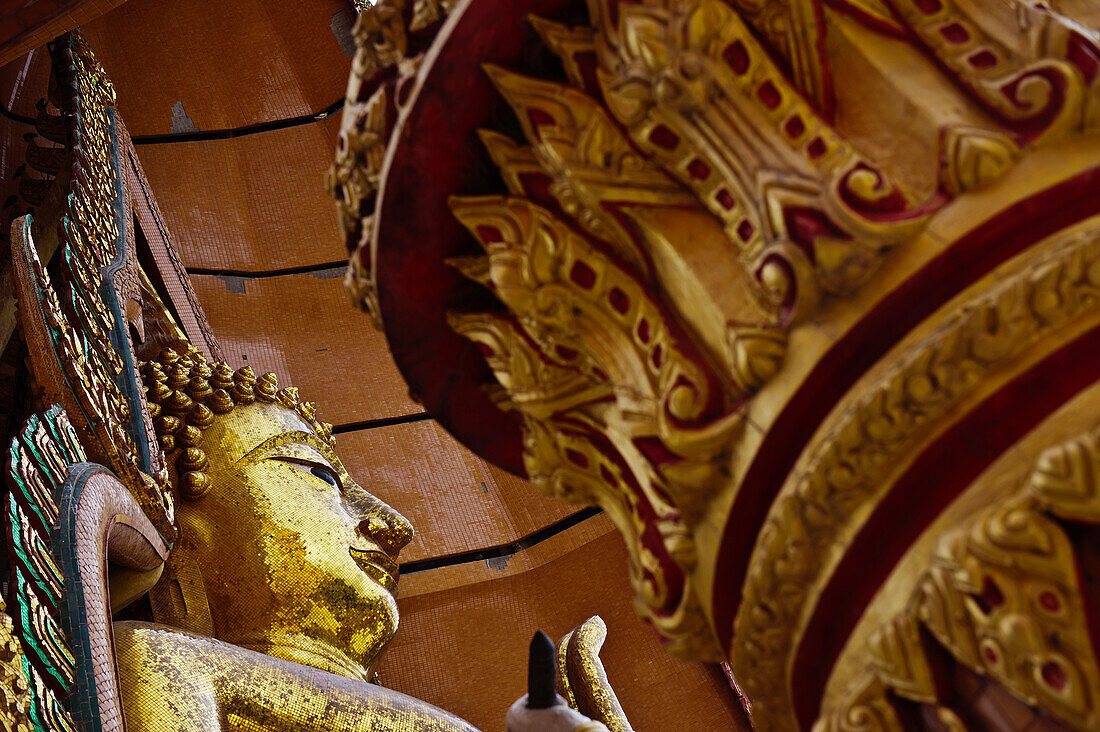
(456, 501)
(465, 648)
(303, 329)
(227, 64)
(29, 24)
(253, 203)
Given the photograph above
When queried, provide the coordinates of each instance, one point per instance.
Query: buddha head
(280, 550)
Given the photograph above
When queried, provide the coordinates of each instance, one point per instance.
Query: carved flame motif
(805, 211)
(382, 69)
(623, 405)
(619, 409)
(1040, 77)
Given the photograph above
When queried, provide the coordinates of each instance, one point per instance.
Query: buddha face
(297, 560)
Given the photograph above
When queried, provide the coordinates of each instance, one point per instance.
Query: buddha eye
(324, 472)
(325, 476)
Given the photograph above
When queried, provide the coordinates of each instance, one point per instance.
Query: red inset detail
(928, 7)
(698, 170)
(656, 451)
(805, 224)
(643, 331)
(954, 33)
(539, 117)
(577, 458)
(991, 596)
(486, 351)
(768, 95)
(565, 352)
(582, 275)
(737, 57)
(1083, 53)
(816, 148)
(658, 356)
(794, 127)
(745, 230)
(990, 654)
(1050, 602)
(663, 137)
(618, 300)
(725, 200)
(599, 374)
(982, 60)
(489, 234)
(1055, 675)
(607, 475)
(537, 187)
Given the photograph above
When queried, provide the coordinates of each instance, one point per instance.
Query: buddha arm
(174, 680)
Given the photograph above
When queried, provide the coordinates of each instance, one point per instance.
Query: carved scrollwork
(805, 211)
(1002, 593)
(630, 387)
(1040, 77)
(1016, 574)
(866, 709)
(847, 469)
(79, 343)
(592, 166)
(1066, 479)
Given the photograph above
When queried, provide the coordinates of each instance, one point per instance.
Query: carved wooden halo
(772, 599)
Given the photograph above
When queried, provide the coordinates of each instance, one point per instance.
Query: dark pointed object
(542, 673)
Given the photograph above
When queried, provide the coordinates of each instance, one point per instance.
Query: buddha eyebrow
(303, 438)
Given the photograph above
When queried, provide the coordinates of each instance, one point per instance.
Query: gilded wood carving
(697, 213)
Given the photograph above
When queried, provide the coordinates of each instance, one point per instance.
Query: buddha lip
(378, 565)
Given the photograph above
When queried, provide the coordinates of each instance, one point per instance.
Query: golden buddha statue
(271, 574)
(278, 595)
(305, 605)
(283, 636)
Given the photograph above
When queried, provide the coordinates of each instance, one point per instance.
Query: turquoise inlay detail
(66, 438)
(32, 642)
(29, 497)
(49, 588)
(118, 335)
(37, 700)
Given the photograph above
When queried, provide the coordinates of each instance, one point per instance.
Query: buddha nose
(390, 533)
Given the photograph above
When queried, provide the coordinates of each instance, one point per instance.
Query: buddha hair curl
(186, 393)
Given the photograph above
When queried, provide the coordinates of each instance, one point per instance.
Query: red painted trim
(971, 257)
(942, 472)
(438, 154)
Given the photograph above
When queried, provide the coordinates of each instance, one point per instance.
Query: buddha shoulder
(173, 680)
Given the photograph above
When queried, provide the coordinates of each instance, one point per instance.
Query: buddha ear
(179, 598)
